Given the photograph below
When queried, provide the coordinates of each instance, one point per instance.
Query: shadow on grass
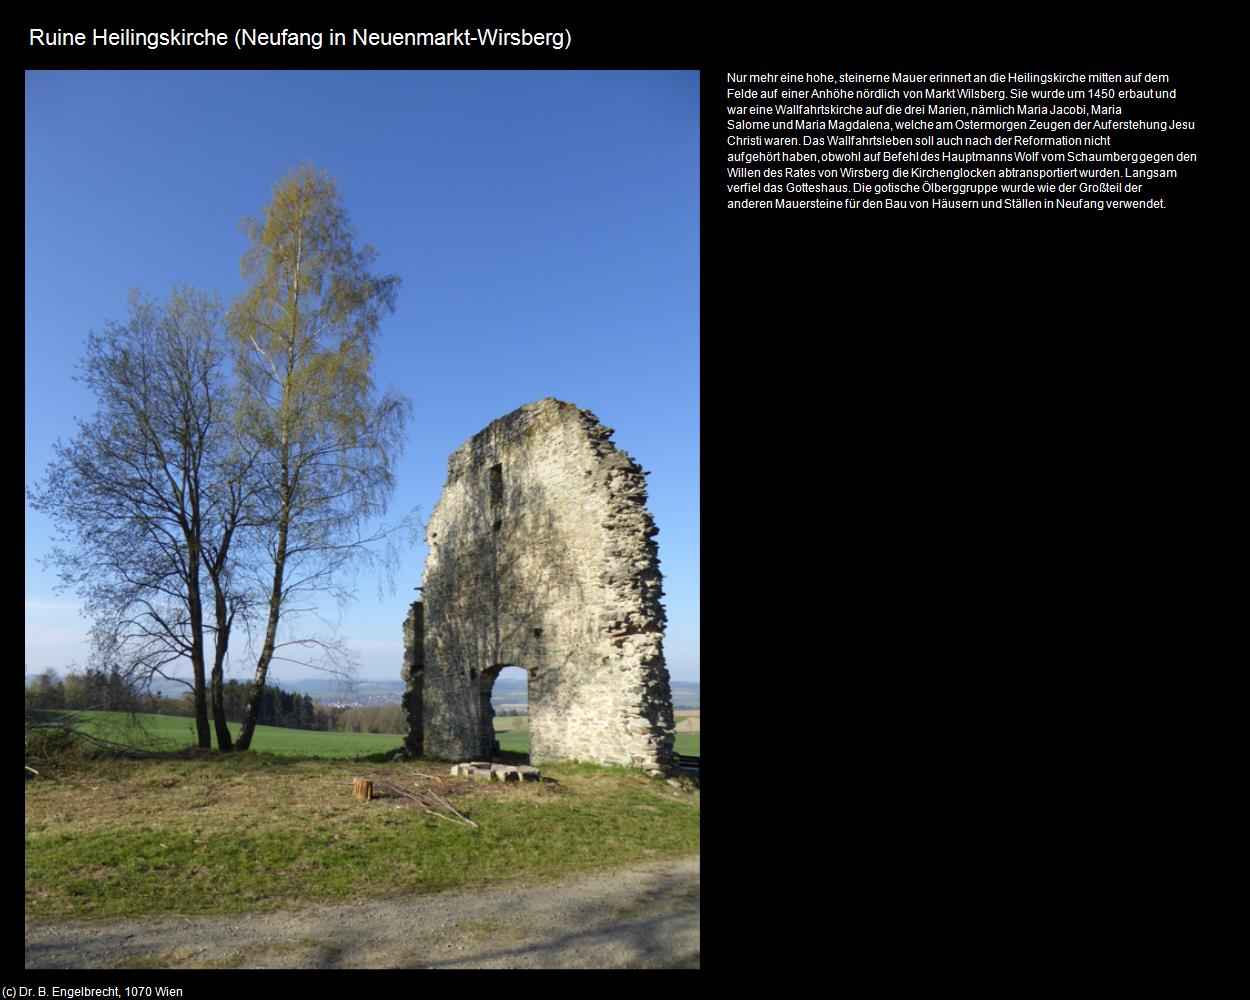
(381, 757)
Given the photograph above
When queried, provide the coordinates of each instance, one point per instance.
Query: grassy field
(207, 833)
(686, 743)
(172, 732)
(518, 741)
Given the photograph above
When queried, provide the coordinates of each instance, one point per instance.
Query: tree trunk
(203, 733)
(224, 741)
(252, 712)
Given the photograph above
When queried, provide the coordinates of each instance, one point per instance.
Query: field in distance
(512, 731)
(175, 732)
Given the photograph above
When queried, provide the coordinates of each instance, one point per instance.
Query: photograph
(362, 526)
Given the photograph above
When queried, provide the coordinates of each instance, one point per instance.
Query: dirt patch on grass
(224, 793)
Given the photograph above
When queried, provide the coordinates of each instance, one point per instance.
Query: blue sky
(545, 227)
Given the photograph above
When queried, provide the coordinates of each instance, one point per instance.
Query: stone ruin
(541, 556)
(484, 770)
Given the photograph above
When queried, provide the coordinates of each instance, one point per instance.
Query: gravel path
(644, 917)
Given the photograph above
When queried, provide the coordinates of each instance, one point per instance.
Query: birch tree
(326, 439)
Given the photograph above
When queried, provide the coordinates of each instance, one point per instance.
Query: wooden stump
(362, 788)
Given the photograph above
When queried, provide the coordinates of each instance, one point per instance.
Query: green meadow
(190, 831)
(234, 833)
(518, 741)
(157, 733)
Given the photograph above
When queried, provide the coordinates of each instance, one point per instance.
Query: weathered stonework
(484, 770)
(542, 557)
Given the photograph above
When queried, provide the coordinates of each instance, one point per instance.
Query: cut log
(362, 788)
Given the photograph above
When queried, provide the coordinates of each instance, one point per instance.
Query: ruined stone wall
(542, 557)
(413, 675)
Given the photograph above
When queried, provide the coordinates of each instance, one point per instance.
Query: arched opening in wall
(505, 713)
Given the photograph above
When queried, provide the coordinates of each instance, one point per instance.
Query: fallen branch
(434, 812)
(447, 805)
(121, 748)
(421, 797)
(125, 749)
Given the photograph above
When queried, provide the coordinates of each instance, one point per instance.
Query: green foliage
(304, 333)
(46, 691)
(277, 707)
(389, 718)
(49, 744)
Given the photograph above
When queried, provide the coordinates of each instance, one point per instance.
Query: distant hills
(507, 689)
(514, 687)
(317, 687)
(330, 687)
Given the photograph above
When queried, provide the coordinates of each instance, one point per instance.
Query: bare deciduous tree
(148, 495)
